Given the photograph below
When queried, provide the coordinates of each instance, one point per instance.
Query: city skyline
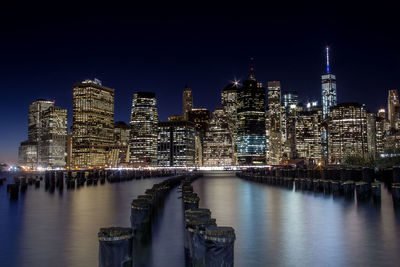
(43, 60)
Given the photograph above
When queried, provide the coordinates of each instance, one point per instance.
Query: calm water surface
(274, 226)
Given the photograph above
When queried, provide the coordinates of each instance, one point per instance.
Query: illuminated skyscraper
(201, 118)
(35, 118)
(187, 101)
(176, 144)
(47, 137)
(347, 132)
(144, 130)
(119, 152)
(92, 124)
(251, 140)
(329, 98)
(274, 117)
(28, 154)
(217, 147)
(53, 140)
(393, 109)
(308, 135)
(229, 105)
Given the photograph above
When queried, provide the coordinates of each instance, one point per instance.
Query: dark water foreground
(274, 226)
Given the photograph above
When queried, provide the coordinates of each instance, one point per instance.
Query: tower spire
(252, 75)
(327, 60)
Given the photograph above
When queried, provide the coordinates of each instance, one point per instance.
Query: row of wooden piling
(364, 188)
(117, 245)
(76, 179)
(205, 243)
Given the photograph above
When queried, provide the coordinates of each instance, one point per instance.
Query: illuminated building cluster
(245, 130)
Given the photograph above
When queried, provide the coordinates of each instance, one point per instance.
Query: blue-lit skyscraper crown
(329, 98)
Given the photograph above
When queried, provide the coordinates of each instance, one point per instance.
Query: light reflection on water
(280, 227)
(274, 226)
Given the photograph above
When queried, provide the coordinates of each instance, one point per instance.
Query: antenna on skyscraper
(252, 75)
(327, 60)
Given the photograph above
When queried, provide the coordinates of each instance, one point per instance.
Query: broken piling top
(223, 234)
(193, 214)
(141, 204)
(199, 224)
(147, 197)
(115, 233)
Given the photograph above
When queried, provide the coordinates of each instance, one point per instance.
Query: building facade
(394, 109)
(309, 135)
(53, 141)
(347, 132)
(217, 148)
(275, 127)
(251, 141)
(144, 130)
(229, 105)
(92, 124)
(201, 118)
(119, 152)
(176, 144)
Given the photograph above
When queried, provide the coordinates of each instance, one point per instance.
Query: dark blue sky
(46, 49)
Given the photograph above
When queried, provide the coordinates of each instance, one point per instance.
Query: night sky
(46, 49)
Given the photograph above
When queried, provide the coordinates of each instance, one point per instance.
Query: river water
(274, 226)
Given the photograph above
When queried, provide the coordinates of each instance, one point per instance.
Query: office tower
(291, 107)
(144, 130)
(381, 132)
(92, 124)
(119, 152)
(47, 131)
(201, 118)
(290, 100)
(371, 135)
(176, 144)
(187, 101)
(217, 147)
(329, 98)
(381, 113)
(53, 140)
(393, 109)
(311, 105)
(176, 118)
(35, 118)
(229, 105)
(309, 135)
(251, 122)
(347, 132)
(274, 116)
(28, 155)
(69, 151)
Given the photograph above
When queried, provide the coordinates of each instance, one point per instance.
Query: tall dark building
(187, 102)
(251, 122)
(176, 143)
